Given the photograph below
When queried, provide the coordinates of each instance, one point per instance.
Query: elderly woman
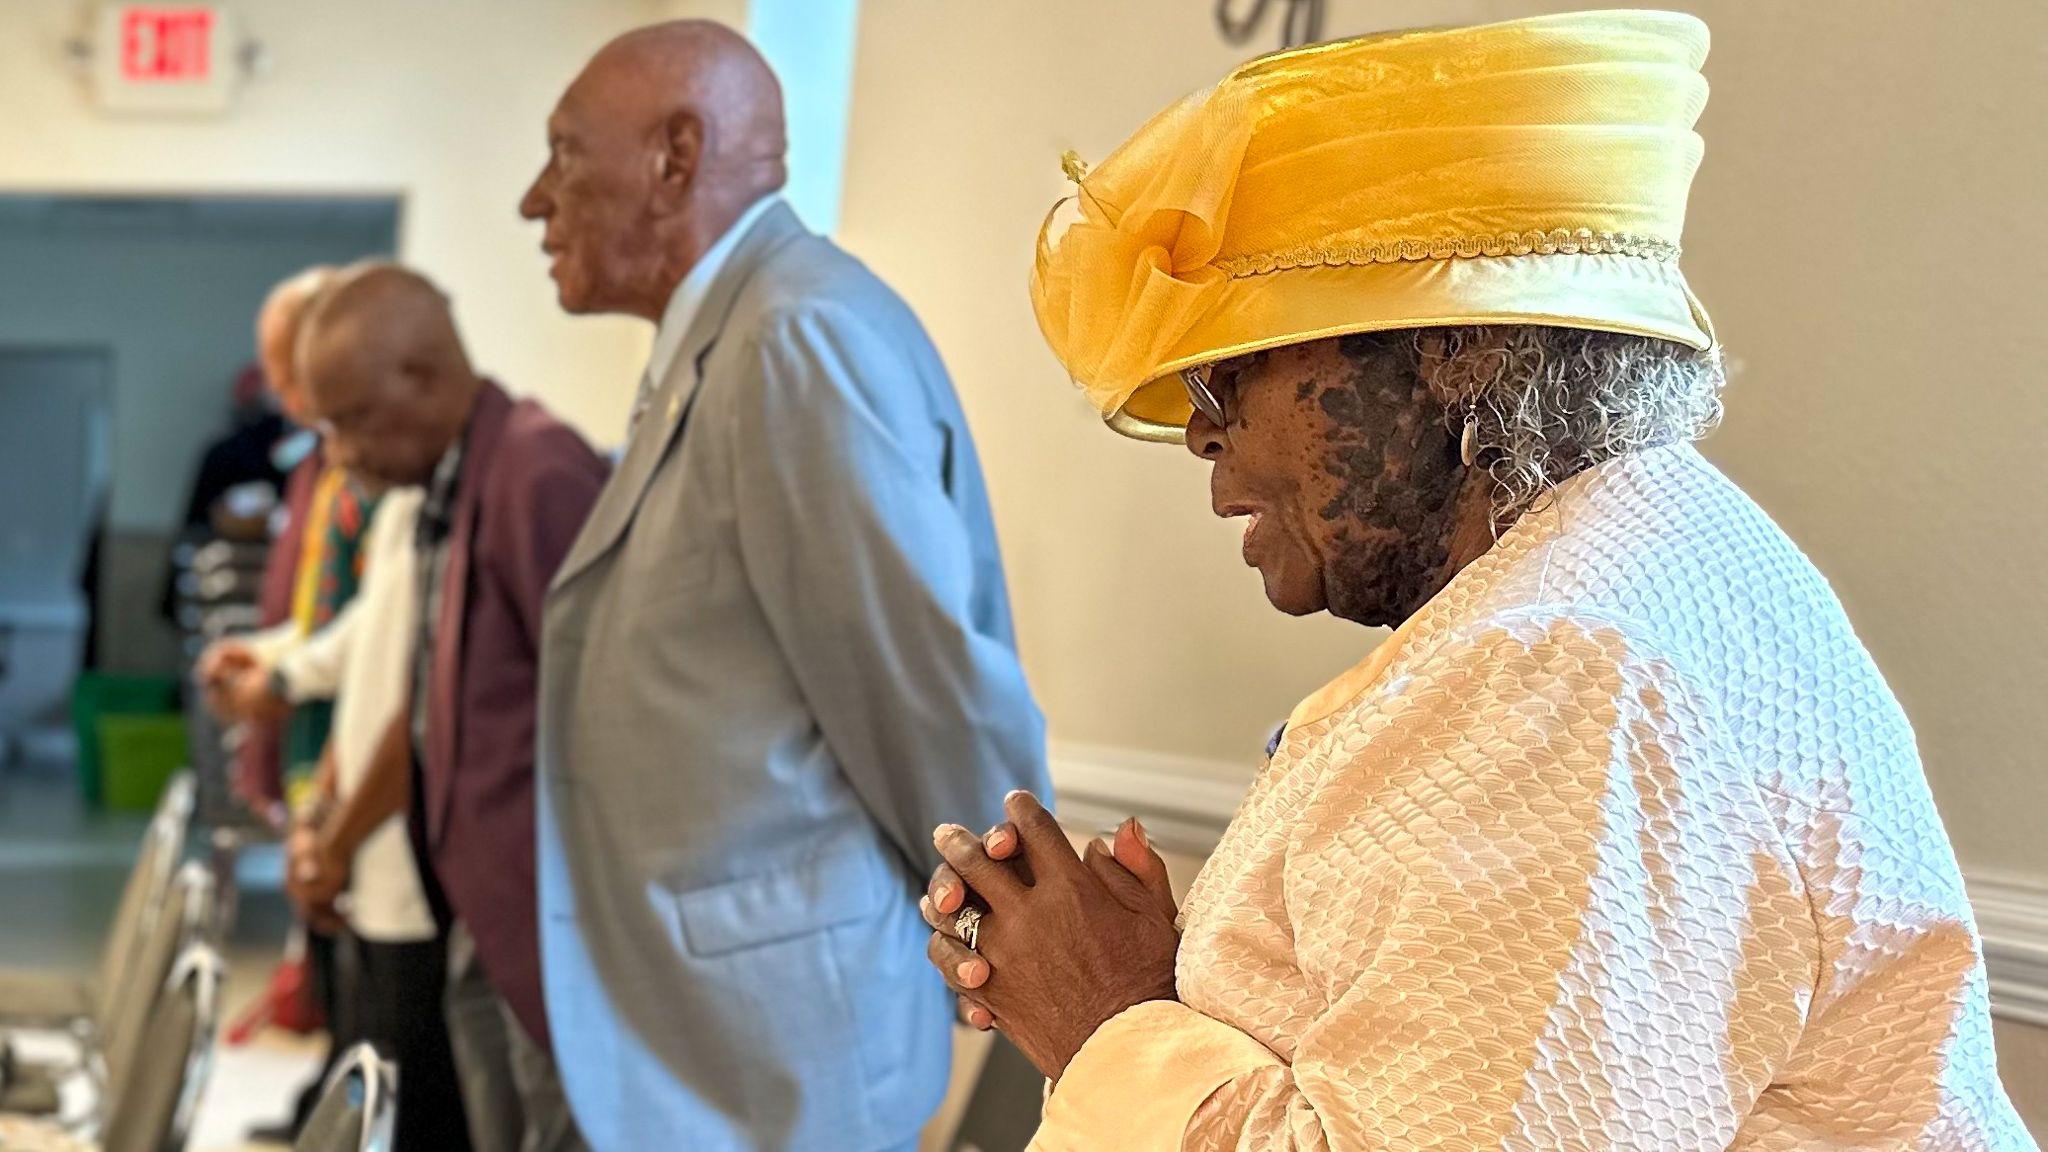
(1620, 841)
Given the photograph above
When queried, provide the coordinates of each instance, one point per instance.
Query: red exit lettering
(166, 44)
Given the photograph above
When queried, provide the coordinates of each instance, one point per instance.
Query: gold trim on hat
(1536, 242)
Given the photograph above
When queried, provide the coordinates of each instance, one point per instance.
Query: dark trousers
(397, 1007)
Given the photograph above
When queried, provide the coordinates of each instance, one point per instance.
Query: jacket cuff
(1138, 1081)
(272, 644)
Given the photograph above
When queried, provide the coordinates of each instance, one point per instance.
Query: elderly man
(1619, 841)
(235, 671)
(507, 487)
(310, 575)
(779, 651)
(355, 842)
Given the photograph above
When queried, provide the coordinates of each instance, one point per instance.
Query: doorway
(53, 481)
(164, 289)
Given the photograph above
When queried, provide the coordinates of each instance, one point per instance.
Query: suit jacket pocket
(831, 888)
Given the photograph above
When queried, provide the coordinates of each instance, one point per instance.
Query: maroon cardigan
(526, 485)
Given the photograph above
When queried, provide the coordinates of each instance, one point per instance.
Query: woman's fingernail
(943, 893)
(998, 840)
(945, 832)
(968, 972)
(924, 905)
(1138, 830)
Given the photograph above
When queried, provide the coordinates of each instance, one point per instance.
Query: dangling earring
(1468, 444)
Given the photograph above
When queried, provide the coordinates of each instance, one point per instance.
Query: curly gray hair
(1551, 402)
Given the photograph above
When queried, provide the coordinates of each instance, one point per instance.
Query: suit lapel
(663, 419)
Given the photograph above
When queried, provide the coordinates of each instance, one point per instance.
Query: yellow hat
(1528, 172)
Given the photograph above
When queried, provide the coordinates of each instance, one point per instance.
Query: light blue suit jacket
(779, 653)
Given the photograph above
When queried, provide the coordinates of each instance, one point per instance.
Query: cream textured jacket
(1620, 843)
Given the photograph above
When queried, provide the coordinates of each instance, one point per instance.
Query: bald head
(702, 69)
(385, 371)
(377, 311)
(668, 135)
(277, 334)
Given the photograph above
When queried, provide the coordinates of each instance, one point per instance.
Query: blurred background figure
(297, 596)
(247, 463)
(506, 487)
(313, 569)
(350, 867)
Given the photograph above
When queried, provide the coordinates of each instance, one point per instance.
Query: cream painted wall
(2023, 1065)
(442, 103)
(1866, 230)
(1139, 625)
(732, 13)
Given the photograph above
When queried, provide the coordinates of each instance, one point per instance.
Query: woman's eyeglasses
(1205, 399)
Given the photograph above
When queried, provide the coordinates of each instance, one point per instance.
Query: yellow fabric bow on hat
(1534, 171)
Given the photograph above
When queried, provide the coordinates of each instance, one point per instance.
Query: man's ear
(680, 155)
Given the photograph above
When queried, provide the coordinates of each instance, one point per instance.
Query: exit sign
(165, 58)
(167, 45)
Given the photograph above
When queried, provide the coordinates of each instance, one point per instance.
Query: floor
(61, 873)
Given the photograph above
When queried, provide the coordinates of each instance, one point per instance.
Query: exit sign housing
(165, 58)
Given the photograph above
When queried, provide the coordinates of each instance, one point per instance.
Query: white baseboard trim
(2012, 917)
(1185, 803)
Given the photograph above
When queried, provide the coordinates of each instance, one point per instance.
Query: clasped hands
(315, 874)
(237, 684)
(1066, 940)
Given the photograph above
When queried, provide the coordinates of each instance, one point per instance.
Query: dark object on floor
(281, 1135)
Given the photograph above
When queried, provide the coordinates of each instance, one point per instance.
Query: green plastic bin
(96, 695)
(138, 756)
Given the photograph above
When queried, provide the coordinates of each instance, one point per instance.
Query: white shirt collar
(689, 295)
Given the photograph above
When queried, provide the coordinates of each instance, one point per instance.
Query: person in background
(240, 481)
(226, 667)
(780, 649)
(1620, 840)
(247, 454)
(506, 488)
(312, 570)
(351, 861)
